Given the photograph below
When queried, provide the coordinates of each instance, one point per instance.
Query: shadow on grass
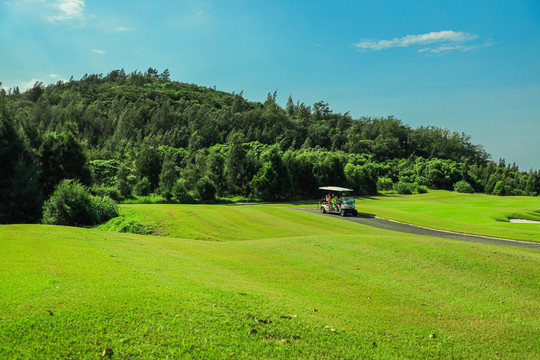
(366, 215)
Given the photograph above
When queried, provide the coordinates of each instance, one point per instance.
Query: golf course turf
(266, 282)
(477, 214)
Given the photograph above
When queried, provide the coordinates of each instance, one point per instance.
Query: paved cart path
(381, 223)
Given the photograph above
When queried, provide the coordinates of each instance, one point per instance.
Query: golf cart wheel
(355, 213)
(342, 213)
(322, 210)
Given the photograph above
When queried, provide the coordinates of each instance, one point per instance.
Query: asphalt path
(386, 224)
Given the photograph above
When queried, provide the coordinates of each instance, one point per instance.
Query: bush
(499, 189)
(124, 181)
(104, 209)
(384, 184)
(404, 188)
(206, 189)
(463, 187)
(421, 189)
(108, 191)
(123, 225)
(516, 192)
(180, 193)
(166, 194)
(142, 188)
(422, 180)
(71, 204)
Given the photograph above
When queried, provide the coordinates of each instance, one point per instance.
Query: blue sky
(469, 66)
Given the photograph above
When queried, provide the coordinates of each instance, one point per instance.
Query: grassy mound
(125, 225)
(323, 291)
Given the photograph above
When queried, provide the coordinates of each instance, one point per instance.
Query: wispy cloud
(67, 10)
(120, 29)
(441, 49)
(446, 40)
(53, 76)
(100, 52)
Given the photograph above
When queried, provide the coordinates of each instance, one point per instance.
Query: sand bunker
(523, 221)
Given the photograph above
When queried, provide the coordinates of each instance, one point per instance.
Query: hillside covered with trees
(139, 133)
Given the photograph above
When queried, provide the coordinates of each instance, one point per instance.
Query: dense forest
(122, 135)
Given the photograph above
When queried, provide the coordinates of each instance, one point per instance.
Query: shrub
(108, 191)
(384, 184)
(142, 188)
(463, 187)
(104, 209)
(422, 180)
(421, 189)
(123, 225)
(104, 171)
(516, 192)
(206, 189)
(180, 193)
(166, 194)
(124, 181)
(404, 188)
(499, 189)
(71, 204)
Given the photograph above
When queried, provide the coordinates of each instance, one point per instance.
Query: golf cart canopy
(335, 188)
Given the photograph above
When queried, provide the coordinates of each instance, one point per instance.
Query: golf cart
(337, 200)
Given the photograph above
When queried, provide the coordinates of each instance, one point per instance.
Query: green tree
(180, 192)
(463, 186)
(123, 183)
(206, 190)
(143, 187)
(11, 146)
(234, 169)
(363, 179)
(62, 156)
(24, 199)
(148, 165)
(71, 204)
(273, 181)
(499, 189)
(169, 173)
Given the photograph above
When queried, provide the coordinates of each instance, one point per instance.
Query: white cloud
(67, 10)
(25, 85)
(120, 29)
(445, 48)
(100, 52)
(448, 40)
(53, 76)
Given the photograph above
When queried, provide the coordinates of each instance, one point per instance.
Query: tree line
(133, 134)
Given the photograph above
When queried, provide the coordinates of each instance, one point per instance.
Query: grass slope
(230, 223)
(71, 293)
(469, 213)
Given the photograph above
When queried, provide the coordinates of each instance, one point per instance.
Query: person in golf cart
(335, 202)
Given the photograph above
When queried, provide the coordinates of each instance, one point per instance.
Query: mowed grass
(468, 213)
(227, 223)
(339, 291)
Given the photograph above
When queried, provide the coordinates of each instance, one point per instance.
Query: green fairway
(226, 223)
(468, 213)
(298, 286)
